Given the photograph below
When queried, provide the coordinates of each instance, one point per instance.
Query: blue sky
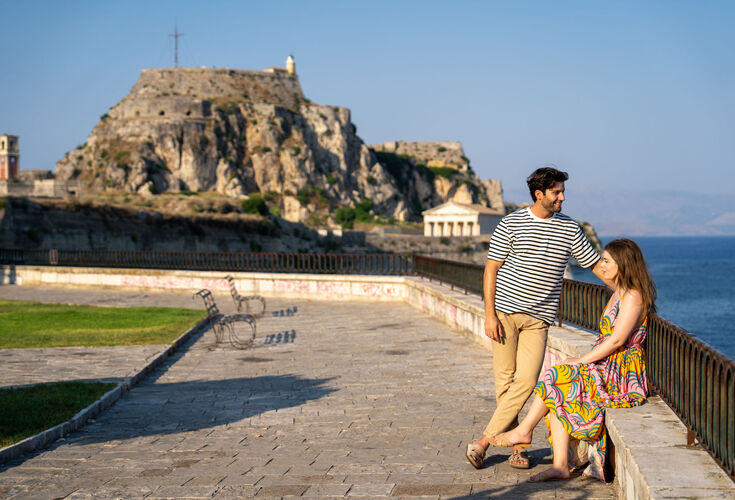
(620, 94)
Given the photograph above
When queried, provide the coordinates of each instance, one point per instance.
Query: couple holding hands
(528, 253)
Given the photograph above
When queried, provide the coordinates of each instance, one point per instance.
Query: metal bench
(254, 304)
(227, 325)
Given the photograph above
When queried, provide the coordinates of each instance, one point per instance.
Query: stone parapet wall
(47, 188)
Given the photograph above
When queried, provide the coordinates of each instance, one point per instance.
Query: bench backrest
(209, 304)
(233, 290)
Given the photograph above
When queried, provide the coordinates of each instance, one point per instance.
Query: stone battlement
(184, 91)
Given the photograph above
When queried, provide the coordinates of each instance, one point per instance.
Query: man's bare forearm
(489, 284)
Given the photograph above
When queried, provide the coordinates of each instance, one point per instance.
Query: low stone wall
(648, 443)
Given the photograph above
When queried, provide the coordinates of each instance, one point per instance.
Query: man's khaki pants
(516, 363)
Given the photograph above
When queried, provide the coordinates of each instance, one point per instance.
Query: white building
(457, 219)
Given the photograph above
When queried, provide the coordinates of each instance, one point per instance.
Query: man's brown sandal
(519, 459)
(476, 455)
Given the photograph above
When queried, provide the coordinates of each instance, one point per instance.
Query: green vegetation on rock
(254, 205)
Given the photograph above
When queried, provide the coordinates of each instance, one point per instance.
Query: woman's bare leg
(560, 465)
(524, 432)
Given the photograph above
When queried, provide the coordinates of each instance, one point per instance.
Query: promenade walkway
(339, 399)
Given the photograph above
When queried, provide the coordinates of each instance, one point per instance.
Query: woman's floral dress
(579, 394)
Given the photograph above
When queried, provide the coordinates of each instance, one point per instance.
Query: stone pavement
(339, 399)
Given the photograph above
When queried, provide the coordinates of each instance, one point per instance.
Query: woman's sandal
(519, 459)
(476, 455)
(502, 441)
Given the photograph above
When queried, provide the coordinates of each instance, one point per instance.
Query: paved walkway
(338, 399)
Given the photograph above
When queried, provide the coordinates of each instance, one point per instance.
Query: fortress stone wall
(190, 93)
(47, 188)
(431, 153)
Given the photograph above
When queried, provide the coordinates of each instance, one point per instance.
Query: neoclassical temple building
(457, 219)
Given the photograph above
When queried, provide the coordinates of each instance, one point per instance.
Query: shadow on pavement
(169, 408)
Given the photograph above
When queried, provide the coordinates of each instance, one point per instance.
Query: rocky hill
(242, 132)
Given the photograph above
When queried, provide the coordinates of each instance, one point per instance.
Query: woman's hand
(571, 361)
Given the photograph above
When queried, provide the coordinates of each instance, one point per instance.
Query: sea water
(694, 277)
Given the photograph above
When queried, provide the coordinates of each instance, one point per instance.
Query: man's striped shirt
(534, 253)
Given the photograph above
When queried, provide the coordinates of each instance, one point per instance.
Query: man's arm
(493, 328)
(597, 269)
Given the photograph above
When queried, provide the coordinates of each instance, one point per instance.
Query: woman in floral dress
(573, 396)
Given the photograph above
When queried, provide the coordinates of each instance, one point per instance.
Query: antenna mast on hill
(176, 36)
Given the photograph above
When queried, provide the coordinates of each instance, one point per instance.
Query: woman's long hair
(632, 270)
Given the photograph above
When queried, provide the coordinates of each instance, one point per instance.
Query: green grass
(29, 410)
(33, 324)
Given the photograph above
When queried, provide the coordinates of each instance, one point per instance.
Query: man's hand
(493, 328)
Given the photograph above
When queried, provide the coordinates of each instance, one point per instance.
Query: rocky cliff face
(243, 132)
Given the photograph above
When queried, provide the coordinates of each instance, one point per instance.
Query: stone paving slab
(363, 400)
(56, 364)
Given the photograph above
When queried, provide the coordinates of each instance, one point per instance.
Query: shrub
(296, 150)
(372, 180)
(441, 149)
(362, 210)
(466, 249)
(255, 246)
(331, 179)
(446, 172)
(254, 205)
(103, 154)
(104, 117)
(275, 211)
(444, 240)
(311, 193)
(265, 149)
(345, 217)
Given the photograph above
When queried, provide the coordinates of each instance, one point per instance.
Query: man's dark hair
(544, 178)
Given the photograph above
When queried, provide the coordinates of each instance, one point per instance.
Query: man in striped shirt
(528, 253)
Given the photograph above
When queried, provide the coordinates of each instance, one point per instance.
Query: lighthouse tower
(290, 65)
(9, 157)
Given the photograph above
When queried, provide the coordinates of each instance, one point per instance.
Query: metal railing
(382, 264)
(459, 274)
(694, 379)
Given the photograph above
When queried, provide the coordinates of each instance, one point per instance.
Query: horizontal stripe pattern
(534, 253)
